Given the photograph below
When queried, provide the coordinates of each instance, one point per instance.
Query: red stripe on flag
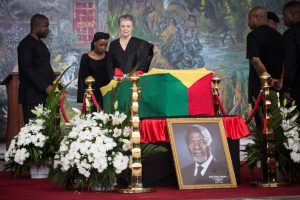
(200, 97)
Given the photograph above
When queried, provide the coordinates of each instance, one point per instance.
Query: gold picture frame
(201, 160)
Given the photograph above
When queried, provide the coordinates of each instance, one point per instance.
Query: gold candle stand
(89, 81)
(216, 80)
(271, 180)
(136, 161)
(56, 92)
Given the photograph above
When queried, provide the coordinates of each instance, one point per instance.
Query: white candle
(136, 169)
(136, 153)
(135, 107)
(136, 137)
(135, 96)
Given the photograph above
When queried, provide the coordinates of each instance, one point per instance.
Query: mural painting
(186, 33)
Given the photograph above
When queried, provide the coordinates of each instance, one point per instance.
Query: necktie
(200, 169)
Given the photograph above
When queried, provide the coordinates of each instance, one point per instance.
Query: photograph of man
(205, 169)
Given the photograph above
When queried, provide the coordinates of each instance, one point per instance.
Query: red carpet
(27, 189)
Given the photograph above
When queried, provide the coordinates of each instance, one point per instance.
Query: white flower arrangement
(291, 131)
(95, 151)
(29, 146)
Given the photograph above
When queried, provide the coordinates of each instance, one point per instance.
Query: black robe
(137, 56)
(96, 69)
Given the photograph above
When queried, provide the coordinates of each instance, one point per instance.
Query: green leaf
(149, 149)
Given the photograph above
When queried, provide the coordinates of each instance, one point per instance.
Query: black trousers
(27, 114)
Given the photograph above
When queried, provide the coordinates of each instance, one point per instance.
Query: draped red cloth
(155, 130)
(235, 127)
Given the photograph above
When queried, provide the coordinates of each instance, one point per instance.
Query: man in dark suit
(291, 42)
(265, 55)
(206, 169)
(36, 74)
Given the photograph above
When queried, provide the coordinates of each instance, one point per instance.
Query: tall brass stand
(136, 162)
(89, 81)
(271, 179)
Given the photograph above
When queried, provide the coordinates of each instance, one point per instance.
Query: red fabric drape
(235, 127)
(155, 130)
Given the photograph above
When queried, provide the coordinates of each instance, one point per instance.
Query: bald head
(257, 16)
(39, 26)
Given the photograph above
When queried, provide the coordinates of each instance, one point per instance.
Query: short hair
(99, 36)
(273, 16)
(260, 11)
(199, 129)
(37, 18)
(292, 7)
(126, 17)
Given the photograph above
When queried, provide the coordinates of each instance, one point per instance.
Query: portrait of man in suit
(205, 169)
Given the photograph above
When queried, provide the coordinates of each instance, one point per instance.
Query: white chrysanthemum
(109, 143)
(295, 147)
(295, 157)
(120, 162)
(21, 155)
(293, 132)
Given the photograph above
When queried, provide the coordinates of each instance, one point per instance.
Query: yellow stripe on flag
(187, 76)
(112, 84)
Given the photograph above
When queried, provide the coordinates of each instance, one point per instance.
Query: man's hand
(276, 84)
(48, 89)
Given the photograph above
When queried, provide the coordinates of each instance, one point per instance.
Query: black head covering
(99, 36)
(273, 16)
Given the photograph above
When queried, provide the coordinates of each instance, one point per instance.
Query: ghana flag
(164, 93)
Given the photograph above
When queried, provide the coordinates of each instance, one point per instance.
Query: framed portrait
(201, 154)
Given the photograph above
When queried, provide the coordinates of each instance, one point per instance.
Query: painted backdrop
(186, 34)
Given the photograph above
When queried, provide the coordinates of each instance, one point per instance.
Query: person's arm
(83, 73)
(110, 65)
(26, 57)
(258, 65)
(253, 55)
(145, 57)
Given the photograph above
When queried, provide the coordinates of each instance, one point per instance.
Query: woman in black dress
(128, 53)
(93, 64)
